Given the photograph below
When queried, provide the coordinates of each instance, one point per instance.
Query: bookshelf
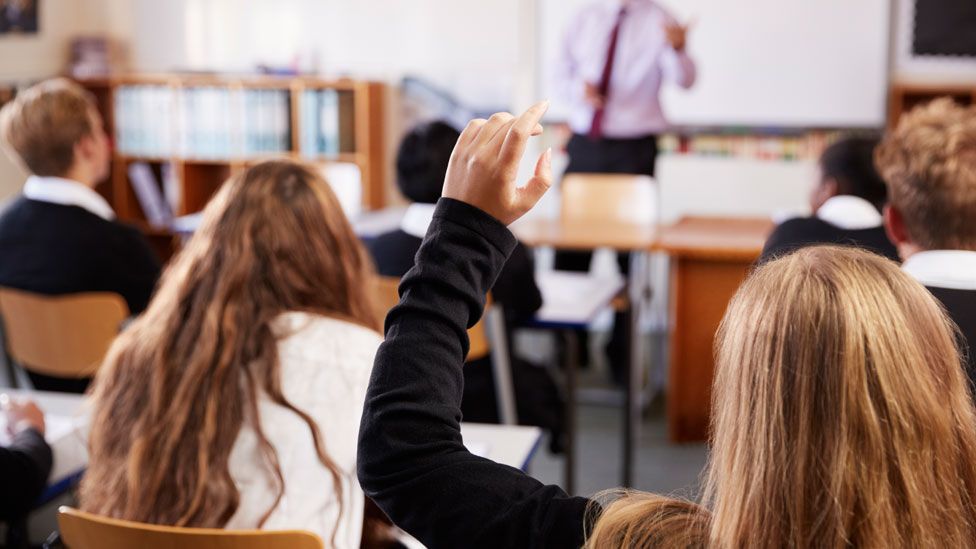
(209, 128)
(905, 97)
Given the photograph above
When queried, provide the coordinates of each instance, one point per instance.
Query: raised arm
(412, 461)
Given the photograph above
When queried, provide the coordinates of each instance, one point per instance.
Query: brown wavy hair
(841, 417)
(178, 385)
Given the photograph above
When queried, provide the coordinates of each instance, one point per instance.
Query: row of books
(326, 122)
(807, 146)
(202, 122)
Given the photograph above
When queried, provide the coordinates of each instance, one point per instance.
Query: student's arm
(515, 288)
(25, 464)
(412, 462)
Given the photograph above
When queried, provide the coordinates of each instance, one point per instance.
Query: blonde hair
(841, 417)
(929, 163)
(44, 122)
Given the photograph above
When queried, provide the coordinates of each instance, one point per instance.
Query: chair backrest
(387, 296)
(62, 336)
(80, 530)
(609, 198)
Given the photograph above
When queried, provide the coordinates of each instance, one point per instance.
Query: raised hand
(485, 163)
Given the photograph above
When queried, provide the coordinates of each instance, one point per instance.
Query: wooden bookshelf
(200, 178)
(905, 97)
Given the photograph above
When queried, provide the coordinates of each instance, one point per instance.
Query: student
(421, 164)
(929, 162)
(60, 236)
(25, 464)
(842, 417)
(847, 205)
(234, 401)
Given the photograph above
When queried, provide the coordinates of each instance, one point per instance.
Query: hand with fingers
(485, 163)
(677, 34)
(22, 414)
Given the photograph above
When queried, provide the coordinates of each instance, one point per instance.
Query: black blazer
(24, 468)
(961, 306)
(55, 249)
(412, 461)
(807, 231)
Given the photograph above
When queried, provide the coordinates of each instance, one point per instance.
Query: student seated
(26, 462)
(60, 236)
(841, 415)
(420, 165)
(929, 162)
(234, 400)
(847, 205)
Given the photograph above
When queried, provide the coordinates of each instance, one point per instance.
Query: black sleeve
(785, 238)
(412, 461)
(24, 468)
(136, 271)
(515, 288)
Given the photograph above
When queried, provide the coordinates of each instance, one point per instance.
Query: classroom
(487, 273)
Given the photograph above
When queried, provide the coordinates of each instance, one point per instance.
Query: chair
(609, 198)
(64, 336)
(486, 336)
(80, 530)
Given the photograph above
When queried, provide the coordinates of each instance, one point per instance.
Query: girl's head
(841, 414)
(177, 386)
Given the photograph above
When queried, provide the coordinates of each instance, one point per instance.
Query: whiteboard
(764, 63)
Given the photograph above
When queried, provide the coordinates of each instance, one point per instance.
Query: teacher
(616, 56)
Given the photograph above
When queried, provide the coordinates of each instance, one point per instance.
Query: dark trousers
(624, 156)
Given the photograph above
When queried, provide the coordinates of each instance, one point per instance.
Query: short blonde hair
(929, 163)
(43, 123)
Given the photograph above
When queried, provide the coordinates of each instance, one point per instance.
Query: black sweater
(55, 249)
(807, 231)
(412, 461)
(961, 306)
(24, 468)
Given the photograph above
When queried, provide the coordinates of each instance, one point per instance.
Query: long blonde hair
(179, 384)
(841, 418)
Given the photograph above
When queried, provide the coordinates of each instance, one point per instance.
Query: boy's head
(847, 168)
(54, 129)
(422, 161)
(929, 162)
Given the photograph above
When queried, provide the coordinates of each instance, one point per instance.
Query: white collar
(417, 218)
(57, 190)
(951, 269)
(850, 212)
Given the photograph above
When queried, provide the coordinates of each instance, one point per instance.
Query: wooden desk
(710, 257)
(585, 236)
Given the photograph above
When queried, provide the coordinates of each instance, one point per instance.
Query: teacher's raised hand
(485, 163)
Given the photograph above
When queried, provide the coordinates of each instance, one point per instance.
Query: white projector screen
(765, 63)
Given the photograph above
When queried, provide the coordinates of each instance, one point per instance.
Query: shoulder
(316, 338)
(656, 9)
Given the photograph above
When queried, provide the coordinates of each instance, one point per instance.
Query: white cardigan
(325, 366)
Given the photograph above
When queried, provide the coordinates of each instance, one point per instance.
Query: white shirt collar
(850, 212)
(57, 190)
(417, 218)
(951, 269)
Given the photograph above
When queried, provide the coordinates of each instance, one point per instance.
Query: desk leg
(572, 364)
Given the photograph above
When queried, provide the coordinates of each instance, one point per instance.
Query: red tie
(596, 130)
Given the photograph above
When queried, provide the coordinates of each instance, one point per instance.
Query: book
(149, 195)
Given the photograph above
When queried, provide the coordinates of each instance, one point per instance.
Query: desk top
(717, 238)
(585, 235)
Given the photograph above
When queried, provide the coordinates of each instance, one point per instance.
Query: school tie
(596, 129)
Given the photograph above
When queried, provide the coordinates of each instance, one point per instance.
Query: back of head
(178, 385)
(929, 162)
(422, 161)
(41, 126)
(850, 162)
(841, 414)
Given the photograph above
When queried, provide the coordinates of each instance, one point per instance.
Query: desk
(710, 257)
(67, 421)
(621, 237)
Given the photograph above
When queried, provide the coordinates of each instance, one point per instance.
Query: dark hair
(850, 162)
(422, 161)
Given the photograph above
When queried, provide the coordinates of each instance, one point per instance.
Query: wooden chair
(63, 336)
(609, 198)
(80, 530)
(486, 337)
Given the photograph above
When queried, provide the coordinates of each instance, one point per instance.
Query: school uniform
(61, 237)
(24, 467)
(951, 277)
(412, 460)
(846, 220)
(324, 365)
